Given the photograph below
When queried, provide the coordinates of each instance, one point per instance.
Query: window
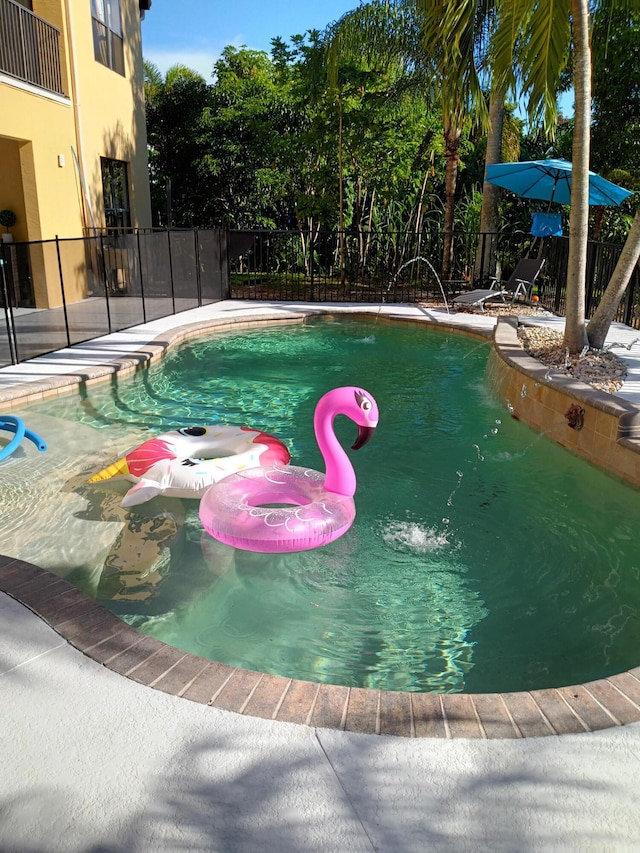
(107, 34)
(115, 188)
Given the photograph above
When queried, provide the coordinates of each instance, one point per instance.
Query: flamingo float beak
(365, 434)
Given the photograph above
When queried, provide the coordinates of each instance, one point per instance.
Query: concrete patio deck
(97, 762)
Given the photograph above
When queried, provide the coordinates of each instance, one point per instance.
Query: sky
(194, 32)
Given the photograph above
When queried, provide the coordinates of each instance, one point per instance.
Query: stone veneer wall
(610, 432)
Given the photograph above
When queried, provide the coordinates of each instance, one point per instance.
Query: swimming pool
(483, 556)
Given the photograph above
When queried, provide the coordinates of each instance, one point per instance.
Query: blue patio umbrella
(550, 180)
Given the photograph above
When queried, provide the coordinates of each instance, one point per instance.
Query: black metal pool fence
(67, 291)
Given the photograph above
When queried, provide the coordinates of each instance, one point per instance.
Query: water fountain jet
(431, 267)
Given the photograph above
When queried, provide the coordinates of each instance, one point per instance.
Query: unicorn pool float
(183, 463)
(279, 508)
(16, 426)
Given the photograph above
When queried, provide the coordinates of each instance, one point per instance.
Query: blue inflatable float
(16, 425)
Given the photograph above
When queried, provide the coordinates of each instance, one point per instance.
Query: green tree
(616, 61)
(370, 59)
(616, 104)
(176, 107)
(251, 122)
(229, 149)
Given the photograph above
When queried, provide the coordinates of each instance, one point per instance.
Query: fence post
(478, 279)
(197, 256)
(561, 247)
(144, 304)
(630, 293)
(8, 312)
(173, 294)
(592, 252)
(311, 271)
(64, 301)
(224, 240)
(105, 282)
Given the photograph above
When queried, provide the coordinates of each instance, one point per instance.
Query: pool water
(483, 558)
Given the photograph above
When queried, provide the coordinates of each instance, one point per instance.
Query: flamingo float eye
(363, 401)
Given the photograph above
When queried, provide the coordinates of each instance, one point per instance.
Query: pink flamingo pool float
(284, 508)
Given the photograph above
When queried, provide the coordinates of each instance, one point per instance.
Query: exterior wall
(101, 114)
(110, 109)
(36, 128)
(609, 431)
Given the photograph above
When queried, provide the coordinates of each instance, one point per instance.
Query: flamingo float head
(358, 405)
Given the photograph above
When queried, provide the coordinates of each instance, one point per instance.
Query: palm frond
(379, 35)
(545, 51)
(453, 34)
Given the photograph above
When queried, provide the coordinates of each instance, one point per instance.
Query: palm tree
(489, 224)
(546, 30)
(619, 31)
(410, 33)
(454, 37)
(575, 334)
(534, 37)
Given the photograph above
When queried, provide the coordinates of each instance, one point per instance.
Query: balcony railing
(29, 47)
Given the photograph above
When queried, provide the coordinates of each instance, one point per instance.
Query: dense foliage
(283, 141)
(260, 146)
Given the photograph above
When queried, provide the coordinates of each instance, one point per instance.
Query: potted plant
(8, 219)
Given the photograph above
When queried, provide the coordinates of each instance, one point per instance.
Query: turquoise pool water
(483, 556)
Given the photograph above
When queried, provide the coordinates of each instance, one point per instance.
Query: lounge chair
(519, 283)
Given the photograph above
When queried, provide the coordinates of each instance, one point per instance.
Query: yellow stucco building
(73, 152)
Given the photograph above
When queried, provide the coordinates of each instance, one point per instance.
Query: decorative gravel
(601, 369)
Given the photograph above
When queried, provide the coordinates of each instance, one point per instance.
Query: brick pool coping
(101, 636)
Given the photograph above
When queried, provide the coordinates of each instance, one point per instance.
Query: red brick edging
(91, 628)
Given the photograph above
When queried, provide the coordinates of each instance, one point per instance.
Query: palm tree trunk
(575, 335)
(606, 311)
(485, 265)
(452, 153)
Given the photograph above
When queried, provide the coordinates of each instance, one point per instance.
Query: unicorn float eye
(194, 432)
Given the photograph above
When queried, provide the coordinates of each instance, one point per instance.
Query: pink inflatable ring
(288, 508)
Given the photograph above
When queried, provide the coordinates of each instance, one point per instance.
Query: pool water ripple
(483, 557)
